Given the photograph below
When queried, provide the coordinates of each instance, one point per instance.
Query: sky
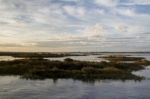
(74, 25)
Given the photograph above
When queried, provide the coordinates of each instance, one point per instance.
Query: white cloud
(107, 3)
(138, 2)
(75, 11)
(96, 30)
(126, 12)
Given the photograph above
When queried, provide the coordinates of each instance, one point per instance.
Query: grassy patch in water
(122, 58)
(39, 68)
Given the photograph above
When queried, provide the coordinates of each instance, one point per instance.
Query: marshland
(38, 67)
(81, 69)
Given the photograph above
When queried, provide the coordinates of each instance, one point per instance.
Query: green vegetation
(39, 68)
(122, 58)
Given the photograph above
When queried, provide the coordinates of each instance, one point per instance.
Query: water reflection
(16, 88)
(85, 80)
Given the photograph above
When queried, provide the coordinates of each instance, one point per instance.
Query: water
(144, 73)
(16, 88)
(12, 87)
(93, 58)
(8, 58)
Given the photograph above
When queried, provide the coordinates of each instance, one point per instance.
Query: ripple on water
(16, 88)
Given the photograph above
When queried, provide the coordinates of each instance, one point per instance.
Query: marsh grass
(39, 68)
(122, 58)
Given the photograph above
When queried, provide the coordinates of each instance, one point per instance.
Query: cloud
(121, 28)
(138, 2)
(126, 12)
(74, 24)
(10, 45)
(93, 31)
(107, 3)
(75, 11)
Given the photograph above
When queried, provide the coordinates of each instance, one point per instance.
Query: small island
(122, 58)
(39, 68)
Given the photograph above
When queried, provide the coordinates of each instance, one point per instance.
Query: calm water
(15, 88)
(12, 87)
(96, 59)
(81, 58)
(8, 58)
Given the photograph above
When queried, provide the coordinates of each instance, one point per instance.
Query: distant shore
(59, 54)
